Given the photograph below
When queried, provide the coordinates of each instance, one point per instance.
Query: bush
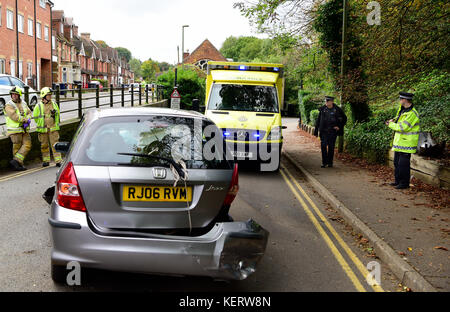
(313, 117)
(431, 100)
(308, 102)
(372, 139)
(191, 85)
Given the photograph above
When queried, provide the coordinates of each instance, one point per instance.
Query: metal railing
(93, 98)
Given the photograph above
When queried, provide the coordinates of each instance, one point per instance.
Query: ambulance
(245, 101)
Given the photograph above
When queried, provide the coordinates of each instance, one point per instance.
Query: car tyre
(33, 103)
(2, 105)
(59, 274)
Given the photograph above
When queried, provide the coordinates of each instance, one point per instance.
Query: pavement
(418, 235)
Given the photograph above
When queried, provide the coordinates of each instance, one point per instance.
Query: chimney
(185, 55)
(75, 31)
(86, 36)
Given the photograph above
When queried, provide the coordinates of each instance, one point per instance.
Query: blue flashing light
(257, 135)
(226, 134)
(276, 69)
(242, 67)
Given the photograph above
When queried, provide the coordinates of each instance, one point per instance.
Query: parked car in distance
(94, 84)
(135, 87)
(116, 204)
(7, 82)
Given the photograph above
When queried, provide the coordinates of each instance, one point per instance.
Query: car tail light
(234, 187)
(69, 194)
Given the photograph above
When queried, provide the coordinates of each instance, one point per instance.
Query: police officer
(407, 127)
(18, 121)
(330, 124)
(47, 117)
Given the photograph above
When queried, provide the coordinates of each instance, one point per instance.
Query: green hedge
(308, 102)
(191, 84)
(371, 139)
(314, 114)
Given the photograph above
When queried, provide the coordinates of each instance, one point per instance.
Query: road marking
(18, 175)
(351, 275)
(362, 269)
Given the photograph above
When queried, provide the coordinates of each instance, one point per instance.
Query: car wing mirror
(62, 147)
(284, 127)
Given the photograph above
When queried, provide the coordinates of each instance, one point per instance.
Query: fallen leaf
(410, 249)
(401, 253)
(441, 248)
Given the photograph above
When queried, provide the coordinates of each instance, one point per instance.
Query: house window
(46, 33)
(12, 65)
(30, 27)
(42, 3)
(54, 42)
(20, 70)
(0, 15)
(30, 70)
(9, 19)
(61, 28)
(38, 31)
(20, 20)
(2, 66)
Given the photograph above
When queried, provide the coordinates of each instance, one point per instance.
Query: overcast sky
(152, 29)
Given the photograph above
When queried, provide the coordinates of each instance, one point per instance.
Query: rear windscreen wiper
(168, 160)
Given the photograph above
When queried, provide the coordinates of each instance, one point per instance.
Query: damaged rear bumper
(230, 251)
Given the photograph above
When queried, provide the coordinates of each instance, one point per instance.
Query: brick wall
(8, 47)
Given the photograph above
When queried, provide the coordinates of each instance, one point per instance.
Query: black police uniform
(328, 119)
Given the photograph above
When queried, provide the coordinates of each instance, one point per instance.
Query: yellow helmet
(45, 91)
(16, 90)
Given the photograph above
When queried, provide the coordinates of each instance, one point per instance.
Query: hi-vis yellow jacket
(407, 130)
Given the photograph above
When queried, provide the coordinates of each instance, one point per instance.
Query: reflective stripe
(401, 127)
(405, 148)
(417, 114)
(407, 123)
(19, 156)
(408, 133)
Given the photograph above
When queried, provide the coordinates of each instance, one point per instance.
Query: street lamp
(182, 44)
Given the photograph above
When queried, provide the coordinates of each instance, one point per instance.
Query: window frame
(38, 30)
(20, 23)
(30, 27)
(9, 19)
(46, 33)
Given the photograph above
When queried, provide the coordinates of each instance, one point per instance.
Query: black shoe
(15, 165)
(330, 166)
(394, 184)
(58, 165)
(323, 166)
(402, 187)
(46, 164)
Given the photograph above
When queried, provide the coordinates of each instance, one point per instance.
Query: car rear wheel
(33, 103)
(59, 274)
(2, 105)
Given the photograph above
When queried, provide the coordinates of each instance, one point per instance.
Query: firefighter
(407, 129)
(330, 124)
(47, 117)
(18, 121)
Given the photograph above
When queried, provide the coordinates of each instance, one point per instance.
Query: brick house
(66, 68)
(205, 52)
(33, 38)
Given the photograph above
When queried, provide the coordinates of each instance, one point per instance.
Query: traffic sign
(175, 99)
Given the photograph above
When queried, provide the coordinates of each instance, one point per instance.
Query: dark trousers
(402, 163)
(328, 142)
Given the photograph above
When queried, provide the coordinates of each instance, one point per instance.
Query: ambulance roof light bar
(249, 67)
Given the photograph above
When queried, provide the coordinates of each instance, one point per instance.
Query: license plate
(242, 154)
(156, 194)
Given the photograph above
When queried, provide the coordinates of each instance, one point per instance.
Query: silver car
(115, 206)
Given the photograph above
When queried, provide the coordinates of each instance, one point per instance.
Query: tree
(125, 53)
(135, 65)
(149, 69)
(102, 44)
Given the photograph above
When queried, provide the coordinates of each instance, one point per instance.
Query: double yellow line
(291, 182)
(24, 173)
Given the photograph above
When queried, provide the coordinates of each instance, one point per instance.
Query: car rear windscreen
(106, 140)
(248, 98)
